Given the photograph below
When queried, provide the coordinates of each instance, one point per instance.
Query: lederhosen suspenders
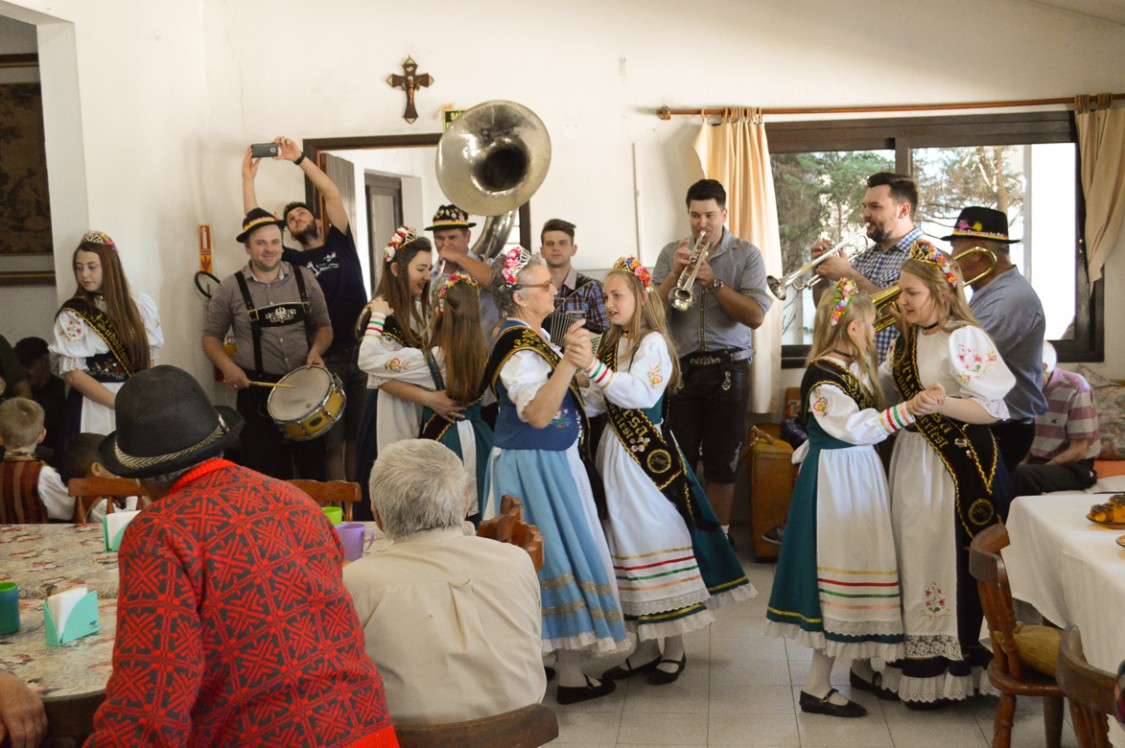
(274, 315)
(967, 450)
(658, 456)
(100, 323)
(823, 371)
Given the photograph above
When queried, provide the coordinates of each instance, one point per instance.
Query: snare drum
(310, 405)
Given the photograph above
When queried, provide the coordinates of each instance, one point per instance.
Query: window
(1023, 164)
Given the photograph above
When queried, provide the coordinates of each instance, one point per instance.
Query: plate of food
(1110, 514)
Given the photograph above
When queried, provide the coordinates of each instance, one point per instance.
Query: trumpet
(683, 295)
(797, 278)
(886, 300)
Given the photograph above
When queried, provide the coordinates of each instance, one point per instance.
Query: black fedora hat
(165, 423)
(256, 219)
(981, 223)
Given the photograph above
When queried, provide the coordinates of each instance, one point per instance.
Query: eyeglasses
(544, 285)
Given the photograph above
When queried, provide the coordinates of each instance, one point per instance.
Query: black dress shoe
(813, 705)
(621, 672)
(575, 694)
(660, 677)
(872, 686)
(549, 672)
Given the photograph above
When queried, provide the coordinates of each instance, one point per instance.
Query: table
(1073, 572)
(39, 557)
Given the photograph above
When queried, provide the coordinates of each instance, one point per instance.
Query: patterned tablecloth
(77, 668)
(38, 557)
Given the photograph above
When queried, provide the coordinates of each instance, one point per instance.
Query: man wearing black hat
(233, 623)
(1008, 308)
(451, 241)
(280, 323)
(332, 257)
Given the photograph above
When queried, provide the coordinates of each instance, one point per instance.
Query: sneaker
(774, 535)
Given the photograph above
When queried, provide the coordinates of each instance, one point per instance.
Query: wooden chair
(1011, 671)
(528, 727)
(509, 527)
(1089, 689)
(326, 493)
(87, 492)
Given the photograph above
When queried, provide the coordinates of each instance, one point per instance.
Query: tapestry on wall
(25, 212)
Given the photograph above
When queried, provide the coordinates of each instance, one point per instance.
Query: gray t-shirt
(284, 348)
(706, 326)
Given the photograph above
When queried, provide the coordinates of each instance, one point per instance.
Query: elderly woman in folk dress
(536, 458)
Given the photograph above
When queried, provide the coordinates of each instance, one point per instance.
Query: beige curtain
(1101, 143)
(735, 153)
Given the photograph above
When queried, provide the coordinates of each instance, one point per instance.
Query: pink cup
(355, 538)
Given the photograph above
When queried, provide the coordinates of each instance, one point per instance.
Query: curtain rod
(1078, 102)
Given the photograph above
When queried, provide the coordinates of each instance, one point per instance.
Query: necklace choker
(841, 353)
(928, 327)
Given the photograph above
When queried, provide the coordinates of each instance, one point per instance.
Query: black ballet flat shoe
(813, 705)
(576, 694)
(874, 686)
(660, 677)
(927, 706)
(621, 672)
(549, 672)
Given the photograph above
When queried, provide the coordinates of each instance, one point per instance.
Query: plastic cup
(9, 607)
(335, 514)
(355, 538)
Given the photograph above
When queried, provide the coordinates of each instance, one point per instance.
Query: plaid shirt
(881, 267)
(582, 296)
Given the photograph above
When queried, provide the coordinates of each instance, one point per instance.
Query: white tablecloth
(1073, 572)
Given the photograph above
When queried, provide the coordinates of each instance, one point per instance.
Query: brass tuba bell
(491, 161)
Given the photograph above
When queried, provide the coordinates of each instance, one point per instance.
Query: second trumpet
(798, 278)
(683, 295)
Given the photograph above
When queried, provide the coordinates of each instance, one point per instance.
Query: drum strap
(275, 315)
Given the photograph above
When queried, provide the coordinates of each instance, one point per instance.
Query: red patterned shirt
(234, 627)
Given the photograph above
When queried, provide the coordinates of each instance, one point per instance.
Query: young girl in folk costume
(104, 334)
(540, 430)
(946, 480)
(456, 358)
(673, 562)
(836, 588)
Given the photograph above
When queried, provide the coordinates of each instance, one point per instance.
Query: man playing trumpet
(712, 336)
(888, 213)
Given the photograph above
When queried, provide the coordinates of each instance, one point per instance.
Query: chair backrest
(528, 727)
(1089, 689)
(342, 492)
(509, 527)
(87, 492)
(988, 569)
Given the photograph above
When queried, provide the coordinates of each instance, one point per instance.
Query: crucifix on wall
(409, 82)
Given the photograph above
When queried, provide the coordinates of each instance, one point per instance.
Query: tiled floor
(740, 689)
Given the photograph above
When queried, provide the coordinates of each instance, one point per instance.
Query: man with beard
(332, 257)
(888, 213)
(577, 294)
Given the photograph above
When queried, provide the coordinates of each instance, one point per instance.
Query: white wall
(171, 92)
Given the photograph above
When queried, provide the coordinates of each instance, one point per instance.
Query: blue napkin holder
(82, 621)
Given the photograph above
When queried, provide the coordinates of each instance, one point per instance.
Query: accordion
(557, 323)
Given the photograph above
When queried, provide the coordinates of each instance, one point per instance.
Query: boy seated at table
(81, 459)
(32, 491)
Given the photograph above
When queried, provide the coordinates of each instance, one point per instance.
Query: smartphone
(265, 150)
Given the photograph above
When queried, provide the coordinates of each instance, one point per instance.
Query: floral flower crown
(515, 260)
(403, 235)
(845, 289)
(634, 266)
(926, 252)
(99, 237)
(453, 280)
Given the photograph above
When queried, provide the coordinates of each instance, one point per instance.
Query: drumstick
(271, 384)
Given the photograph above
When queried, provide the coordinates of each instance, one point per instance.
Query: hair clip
(515, 260)
(403, 235)
(634, 266)
(845, 289)
(457, 278)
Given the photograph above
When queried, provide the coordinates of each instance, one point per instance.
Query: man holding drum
(280, 322)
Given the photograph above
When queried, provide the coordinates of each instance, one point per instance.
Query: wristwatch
(716, 284)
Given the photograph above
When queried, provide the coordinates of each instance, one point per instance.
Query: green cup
(9, 607)
(335, 514)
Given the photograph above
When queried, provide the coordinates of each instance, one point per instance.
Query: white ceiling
(1112, 11)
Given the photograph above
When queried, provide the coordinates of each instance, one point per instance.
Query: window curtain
(1101, 145)
(735, 152)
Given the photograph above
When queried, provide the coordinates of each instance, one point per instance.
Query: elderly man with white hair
(452, 620)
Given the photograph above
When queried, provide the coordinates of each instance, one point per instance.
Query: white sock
(726, 529)
(570, 670)
(674, 651)
(820, 671)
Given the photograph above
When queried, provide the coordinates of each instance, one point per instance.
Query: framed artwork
(26, 255)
